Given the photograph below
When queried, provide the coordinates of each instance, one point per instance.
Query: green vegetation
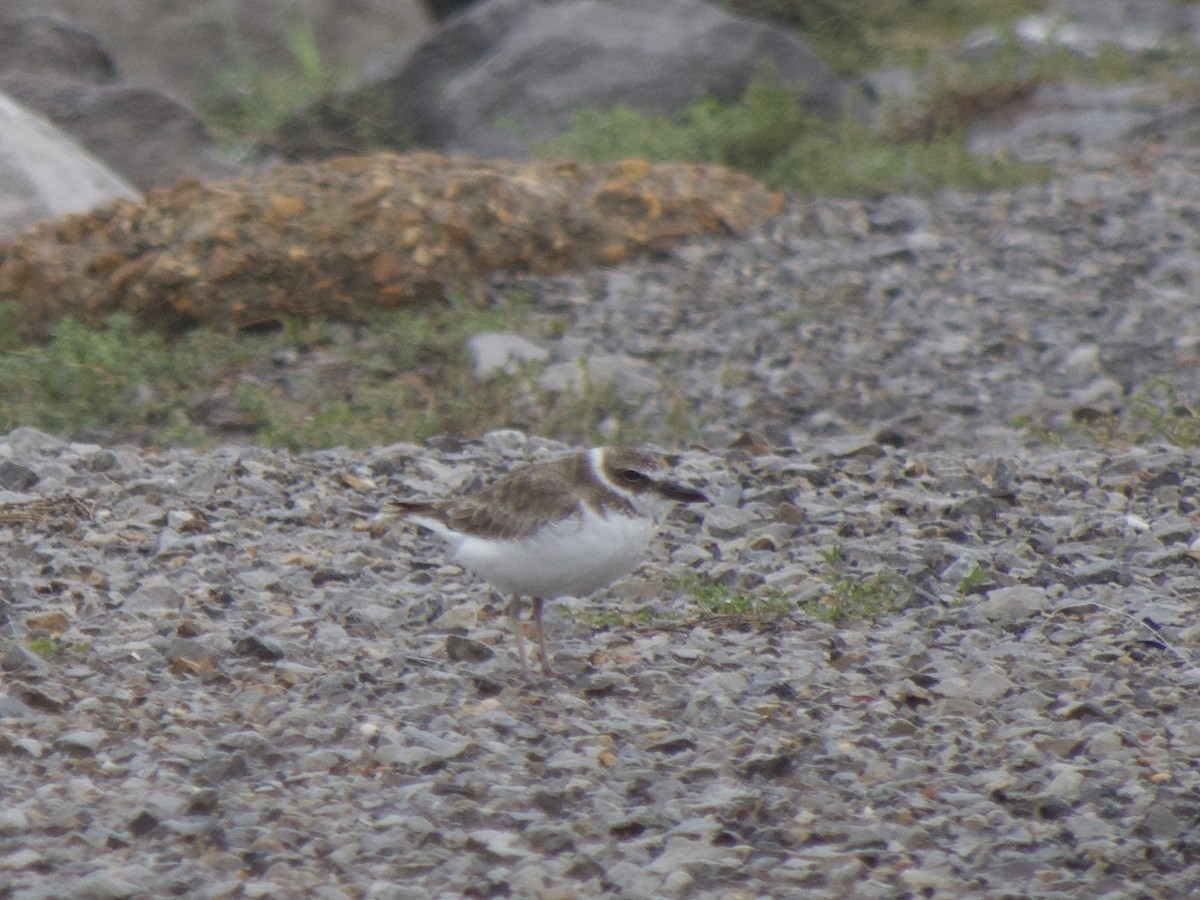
(919, 144)
(712, 599)
(848, 596)
(604, 619)
(957, 91)
(394, 375)
(769, 135)
(1038, 430)
(856, 36)
(85, 378)
(1159, 411)
(248, 101)
(52, 648)
(976, 578)
(45, 647)
(1110, 65)
(853, 596)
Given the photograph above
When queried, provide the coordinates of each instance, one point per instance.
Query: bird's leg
(541, 636)
(514, 609)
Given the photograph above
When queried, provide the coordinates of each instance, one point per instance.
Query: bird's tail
(400, 509)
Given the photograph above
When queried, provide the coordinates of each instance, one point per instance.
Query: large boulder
(508, 72)
(43, 174)
(46, 46)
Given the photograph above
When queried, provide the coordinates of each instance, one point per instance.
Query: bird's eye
(632, 476)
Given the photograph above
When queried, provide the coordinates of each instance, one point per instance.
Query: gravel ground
(263, 690)
(932, 323)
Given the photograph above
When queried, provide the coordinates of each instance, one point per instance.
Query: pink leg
(541, 636)
(514, 609)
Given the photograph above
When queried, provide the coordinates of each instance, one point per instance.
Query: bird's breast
(570, 558)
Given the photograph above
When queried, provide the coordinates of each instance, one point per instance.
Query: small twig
(65, 507)
(1120, 612)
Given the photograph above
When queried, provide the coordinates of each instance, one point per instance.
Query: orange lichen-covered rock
(382, 230)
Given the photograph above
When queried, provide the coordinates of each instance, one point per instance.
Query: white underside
(568, 559)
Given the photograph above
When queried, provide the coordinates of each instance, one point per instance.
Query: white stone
(497, 351)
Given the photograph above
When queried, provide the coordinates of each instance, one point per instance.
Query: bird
(562, 527)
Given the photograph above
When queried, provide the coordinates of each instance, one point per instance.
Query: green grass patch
(84, 378)
(708, 600)
(920, 144)
(857, 36)
(713, 599)
(769, 135)
(975, 579)
(1038, 430)
(1160, 411)
(850, 596)
(955, 91)
(391, 376)
(1112, 64)
(247, 100)
(616, 619)
(51, 648)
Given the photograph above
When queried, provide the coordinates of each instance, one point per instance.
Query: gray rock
(117, 884)
(17, 658)
(508, 72)
(1008, 605)
(1163, 824)
(1065, 114)
(461, 649)
(81, 742)
(25, 441)
(13, 820)
(25, 858)
(725, 522)
(43, 45)
(1065, 785)
(494, 352)
(153, 593)
(1087, 28)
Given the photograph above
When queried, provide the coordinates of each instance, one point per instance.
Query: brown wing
(516, 505)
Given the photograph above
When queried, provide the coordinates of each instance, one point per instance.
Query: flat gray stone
(494, 352)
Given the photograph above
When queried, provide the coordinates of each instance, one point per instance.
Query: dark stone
(464, 649)
(776, 766)
(258, 648)
(16, 477)
(49, 47)
(143, 823)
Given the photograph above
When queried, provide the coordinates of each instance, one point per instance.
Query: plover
(560, 528)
